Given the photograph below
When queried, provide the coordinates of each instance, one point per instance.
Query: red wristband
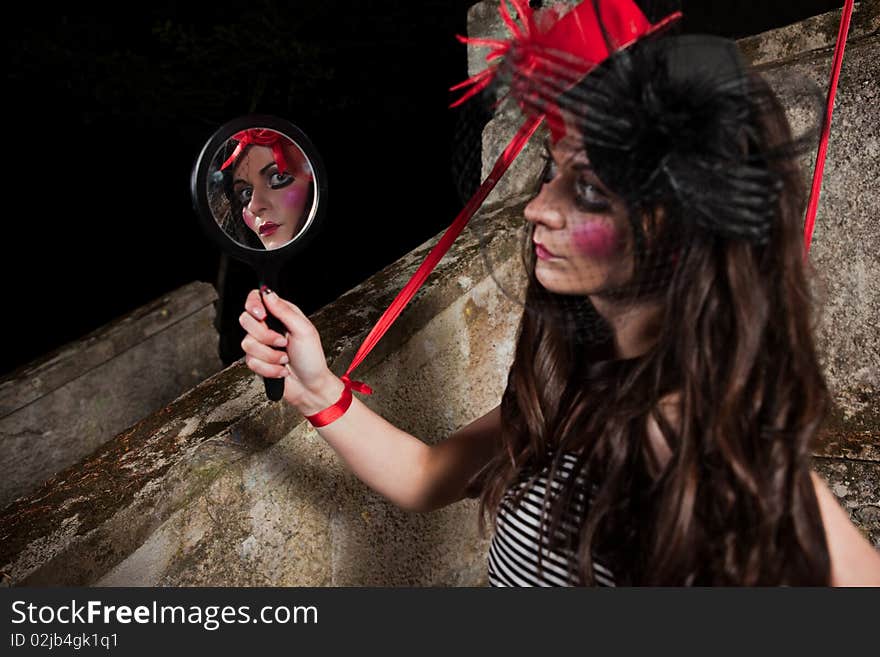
(334, 412)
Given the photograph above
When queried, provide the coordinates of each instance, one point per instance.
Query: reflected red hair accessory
(549, 53)
(259, 137)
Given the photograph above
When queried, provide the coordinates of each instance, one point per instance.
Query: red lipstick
(268, 228)
(542, 252)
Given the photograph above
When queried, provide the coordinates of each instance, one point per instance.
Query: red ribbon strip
(334, 412)
(259, 137)
(812, 207)
(522, 136)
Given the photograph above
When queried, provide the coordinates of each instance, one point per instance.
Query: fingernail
(257, 311)
(266, 291)
(280, 342)
(284, 360)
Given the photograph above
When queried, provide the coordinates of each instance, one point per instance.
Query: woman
(267, 189)
(656, 424)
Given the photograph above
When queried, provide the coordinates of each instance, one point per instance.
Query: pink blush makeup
(595, 239)
(249, 218)
(294, 197)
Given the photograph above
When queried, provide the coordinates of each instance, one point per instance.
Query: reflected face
(582, 237)
(273, 203)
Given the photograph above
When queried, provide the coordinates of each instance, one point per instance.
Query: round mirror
(259, 189)
(262, 189)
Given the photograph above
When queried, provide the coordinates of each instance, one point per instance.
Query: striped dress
(513, 553)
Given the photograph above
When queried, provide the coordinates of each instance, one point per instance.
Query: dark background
(109, 108)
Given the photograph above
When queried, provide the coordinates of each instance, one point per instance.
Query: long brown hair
(735, 503)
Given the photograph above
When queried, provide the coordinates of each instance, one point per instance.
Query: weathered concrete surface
(55, 411)
(294, 515)
(815, 33)
(222, 487)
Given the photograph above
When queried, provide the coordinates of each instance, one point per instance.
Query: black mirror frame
(266, 263)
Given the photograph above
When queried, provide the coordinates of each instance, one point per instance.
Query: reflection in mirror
(262, 189)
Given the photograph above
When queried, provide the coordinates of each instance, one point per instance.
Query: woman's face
(273, 203)
(582, 238)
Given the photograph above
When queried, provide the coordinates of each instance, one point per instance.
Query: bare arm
(408, 472)
(854, 561)
(458, 459)
(400, 467)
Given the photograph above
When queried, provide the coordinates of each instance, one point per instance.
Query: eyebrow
(261, 172)
(579, 166)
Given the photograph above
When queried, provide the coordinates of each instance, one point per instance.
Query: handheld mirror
(259, 189)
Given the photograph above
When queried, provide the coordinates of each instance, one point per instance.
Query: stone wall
(56, 410)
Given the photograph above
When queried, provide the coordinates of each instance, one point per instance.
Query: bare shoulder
(854, 561)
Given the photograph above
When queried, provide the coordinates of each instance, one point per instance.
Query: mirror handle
(274, 387)
(269, 279)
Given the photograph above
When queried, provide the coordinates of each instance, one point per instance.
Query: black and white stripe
(513, 554)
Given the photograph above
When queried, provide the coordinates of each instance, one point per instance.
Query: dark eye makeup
(588, 196)
(278, 180)
(550, 170)
(244, 194)
(274, 180)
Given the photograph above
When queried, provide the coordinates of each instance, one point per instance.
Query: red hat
(259, 137)
(550, 53)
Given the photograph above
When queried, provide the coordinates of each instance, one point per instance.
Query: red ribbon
(522, 136)
(334, 412)
(259, 137)
(813, 206)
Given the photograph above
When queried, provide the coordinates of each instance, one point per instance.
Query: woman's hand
(309, 384)
(397, 465)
